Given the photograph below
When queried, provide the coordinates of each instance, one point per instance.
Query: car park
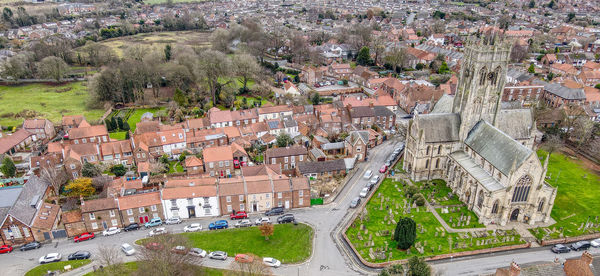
(559, 248)
(157, 231)
(127, 249)
(275, 211)
(219, 224)
(6, 249)
(174, 220)
(79, 255)
(218, 255)
(153, 222)
(197, 252)
(180, 249)
(131, 227)
(364, 192)
(595, 243)
(260, 221)
(194, 227)
(368, 174)
(243, 223)
(84, 237)
(243, 258)
(354, 203)
(272, 262)
(581, 245)
(31, 245)
(287, 218)
(111, 231)
(239, 215)
(50, 258)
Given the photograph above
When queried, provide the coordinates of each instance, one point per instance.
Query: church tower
(481, 82)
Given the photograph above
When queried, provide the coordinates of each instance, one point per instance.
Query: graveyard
(459, 217)
(371, 232)
(437, 193)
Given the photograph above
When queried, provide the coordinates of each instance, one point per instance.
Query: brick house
(232, 195)
(218, 161)
(357, 144)
(286, 157)
(45, 220)
(274, 112)
(88, 134)
(244, 117)
(100, 214)
(193, 165)
(42, 128)
(324, 169)
(72, 121)
(140, 208)
(76, 155)
(300, 192)
(73, 222)
(171, 142)
(17, 141)
(366, 116)
(117, 152)
(282, 192)
(260, 193)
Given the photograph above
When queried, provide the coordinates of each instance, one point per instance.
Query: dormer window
(163, 138)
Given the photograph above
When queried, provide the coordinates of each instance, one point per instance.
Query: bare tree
(299, 48)
(253, 268)
(246, 68)
(266, 230)
(53, 67)
(552, 143)
(571, 113)
(583, 130)
(220, 40)
(56, 177)
(519, 53)
(110, 258)
(396, 57)
(211, 66)
(378, 47)
(160, 257)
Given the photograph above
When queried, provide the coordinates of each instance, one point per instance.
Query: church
(485, 153)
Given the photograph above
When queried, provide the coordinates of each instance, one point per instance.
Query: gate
(57, 234)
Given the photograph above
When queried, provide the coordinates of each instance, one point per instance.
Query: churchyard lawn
(438, 193)
(371, 233)
(453, 217)
(577, 201)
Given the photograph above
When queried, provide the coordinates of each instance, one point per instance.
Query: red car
(84, 237)
(6, 249)
(383, 169)
(239, 215)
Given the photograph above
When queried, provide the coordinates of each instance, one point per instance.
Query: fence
(316, 201)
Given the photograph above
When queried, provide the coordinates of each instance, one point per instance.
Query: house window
(301, 193)
(26, 232)
(358, 149)
(104, 138)
(227, 163)
(301, 201)
(131, 220)
(75, 174)
(190, 201)
(293, 159)
(227, 172)
(285, 159)
(143, 155)
(279, 204)
(229, 209)
(267, 195)
(94, 225)
(241, 198)
(211, 165)
(138, 155)
(279, 195)
(72, 166)
(155, 215)
(142, 210)
(114, 222)
(220, 164)
(242, 207)
(92, 217)
(76, 142)
(268, 205)
(228, 198)
(272, 160)
(285, 167)
(129, 212)
(92, 139)
(207, 211)
(174, 202)
(84, 140)
(212, 173)
(153, 207)
(301, 157)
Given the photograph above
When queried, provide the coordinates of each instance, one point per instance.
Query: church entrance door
(514, 215)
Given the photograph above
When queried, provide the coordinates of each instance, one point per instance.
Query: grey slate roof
(444, 104)
(476, 171)
(332, 146)
(358, 134)
(565, 92)
(25, 207)
(382, 111)
(497, 147)
(515, 122)
(322, 167)
(321, 139)
(288, 121)
(317, 153)
(439, 127)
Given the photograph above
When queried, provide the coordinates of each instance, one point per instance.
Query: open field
(41, 270)
(577, 200)
(374, 230)
(44, 101)
(159, 40)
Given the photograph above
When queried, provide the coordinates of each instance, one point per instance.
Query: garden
(120, 121)
(372, 231)
(41, 270)
(576, 204)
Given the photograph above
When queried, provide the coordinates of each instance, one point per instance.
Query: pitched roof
(565, 92)
(7, 142)
(139, 200)
(189, 192)
(439, 127)
(287, 151)
(281, 184)
(71, 216)
(264, 169)
(189, 182)
(34, 123)
(215, 154)
(321, 167)
(274, 109)
(72, 120)
(516, 123)
(46, 216)
(193, 161)
(113, 147)
(300, 183)
(98, 204)
(91, 131)
(25, 207)
(229, 189)
(258, 184)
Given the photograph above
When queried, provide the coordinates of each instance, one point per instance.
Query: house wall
(288, 163)
(179, 207)
(235, 203)
(283, 199)
(75, 228)
(21, 233)
(219, 168)
(301, 198)
(133, 215)
(260, 202)
(102, 219)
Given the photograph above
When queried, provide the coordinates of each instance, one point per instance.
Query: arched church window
(496, 75)
(541, 205)
(437, 163)
(427, 163)
(492, 78)
(480, 199)
(439, 149)
(495, 207)
(427, 151)
(482, 76)
(522, 189)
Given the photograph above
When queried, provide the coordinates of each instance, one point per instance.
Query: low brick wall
(570, 239)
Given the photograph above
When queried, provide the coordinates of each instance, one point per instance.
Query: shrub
(420, 200)
(410, 191)
(118, 170)
(406, 233)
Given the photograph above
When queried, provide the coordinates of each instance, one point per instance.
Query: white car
(595, 243)
(368, 174)
(127, 249)
(262, 220)
(51, 257)
(219, 255)
(364, 192)
(272, 262)
(194, 227)
(243, 223)
(174, 220)
(111, 231)
(157, 231)
(375, 179)
(197, 252)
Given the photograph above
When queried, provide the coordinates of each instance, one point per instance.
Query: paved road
(327, 259)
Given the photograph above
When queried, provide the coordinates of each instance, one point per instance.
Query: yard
(175, 167)
(43, 269)
(371, 232)
(132, 116)
(577, 201)
(44, 101)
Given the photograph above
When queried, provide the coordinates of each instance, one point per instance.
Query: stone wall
(570, 239)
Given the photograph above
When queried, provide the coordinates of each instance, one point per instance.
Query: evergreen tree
(127, 136)
(531, 69)
(284, 140)
(180, 98)
(90, 170)
(126, 126)
(364, 56)
(444, 68)
(8, 167)
(119, 123)
(113, 123)
(108, 125)
(406, 233)
(418, 267)
(168, 52)
(118, 170)
(315, 99)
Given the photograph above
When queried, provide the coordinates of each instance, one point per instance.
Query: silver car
(218, 255)
(355, 202)
(127, 249)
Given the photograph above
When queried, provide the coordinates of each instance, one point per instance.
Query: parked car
(559, 248)
(174, 220)
(581, 245)
(50, 258)
(388, 162)
(272, 262)
(154, 246)
(354, 203)
(6, 249)
(157, 231)
(369, 186)
(368, 174)
(127, 249)
(243, 258)
(364, 192)
(79, 255)
(194, 227)
(275, 211)
(243, 223)
(180, 249)
(131, 227)
(595, 243)
(111, 231)
(260, 221)
(287, 218)
(218, 255)
(197, 252)
(219, 224)
(31, 245)
(383, 169)
(239, 215)
(153, 222)
(374, 180)
(84, 237)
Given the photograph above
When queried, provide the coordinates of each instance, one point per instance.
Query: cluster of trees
(113, 124)
(8, 167)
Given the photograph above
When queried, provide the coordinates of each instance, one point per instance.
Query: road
(327, 259)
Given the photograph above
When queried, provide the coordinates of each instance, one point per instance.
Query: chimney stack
(514, 270)
(587, 258)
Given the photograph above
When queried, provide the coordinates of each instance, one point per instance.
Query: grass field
(577, 200)
(159, 40)
(131, 267)
(431, 236)
(41, 270)
(117, 135)
(44, 101)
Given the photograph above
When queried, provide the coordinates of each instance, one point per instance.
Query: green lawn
(44, 101)
(431, 236)
(175, 167)
(250, 100)
(577, 200)
(131, 267)
(453, 216)
(399, 165)
(441, 192)
(43, 269)
(136, 116)
(118, 135)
